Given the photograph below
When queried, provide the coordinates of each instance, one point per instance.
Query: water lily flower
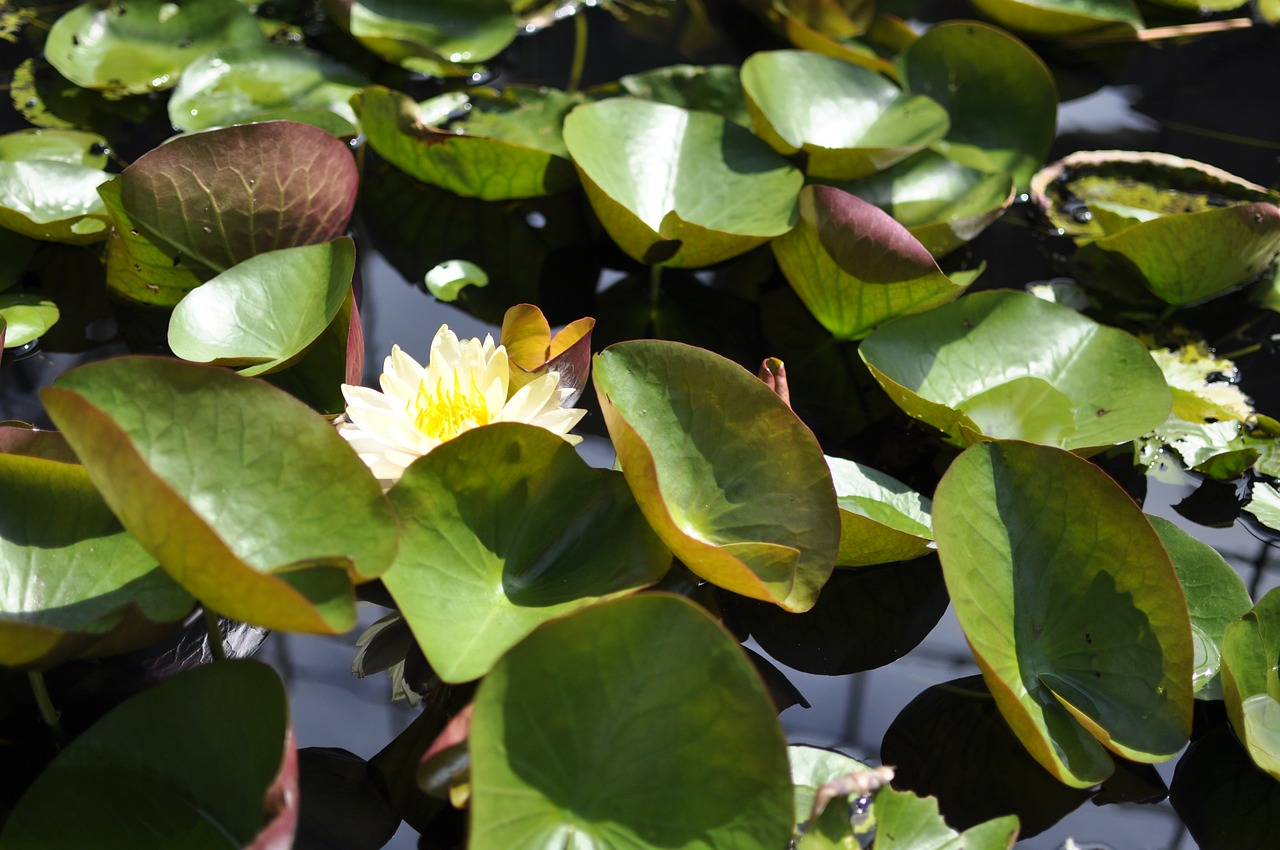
(463, 386)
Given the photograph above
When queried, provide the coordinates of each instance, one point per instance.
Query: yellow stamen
(447, 412)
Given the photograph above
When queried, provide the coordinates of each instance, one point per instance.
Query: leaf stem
(215, 634)
(47, 712)
(655, 288)
(579, 50)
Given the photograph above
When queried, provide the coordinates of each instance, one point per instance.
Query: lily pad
(1007, 365)
(26, 317)
(725, 473)
(678, 187)
(1071, 606)
(532, 351)
(712, 88)
(139, 46)
(74, 146)
(942, 203)
(506, 547)
(577, 732)
(907, 822)
(219, 197)
(136, 267)
(265, 311)
(217, 476)
(205, 760)
(525, 164)
(242, 82)
(53, 201)
(856, 268)
(422, 36)
(848, 121)
(1215, 594)
(1001, 97)
(881, 519)
(812, 768)
(74, 581)
(1184, 230)
(1251, 683)
(1064, 19)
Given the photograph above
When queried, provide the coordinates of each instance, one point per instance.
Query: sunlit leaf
(73, 146)
(849, 122)
(1063, 19)
(1251, 682)
(138, 46)
(1071, 606)
(679, 187)
(635, 723)
(248, 499)
(532, 351)
(266, 310)
(508, 547)
(247, 81)
(136, 267)
(422, 36)
(1008, 365)
(53, 200)
(1001, 97)
(73, 579)
(713, 88)
(216, 198)
(205, 760)
(26, 317)
(881, 519)
(907, 822)
(726, 474)
(856, 268)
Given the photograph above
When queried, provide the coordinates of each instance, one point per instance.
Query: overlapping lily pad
(711, 88)
(73, 579)
(216, 198)
(1001, 97)
(136, 267)
(635, 723)
(52, 200)
(1065, 19)
(1071, 606)
(255, 82)
(1184, 230)
(500, 528)
(504, 158)
(881, 519)
(1251, 683)
(424, 37)
(907, 822)
(855, 267)
(248, 499)
(206, 759)
(1008, 365)
(679, 187)
(138, 46)
(848, 121)
(942, 203)
(265, 311)
(725, 473)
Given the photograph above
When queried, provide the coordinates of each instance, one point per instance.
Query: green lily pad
(74, 581)
(219, 197)
(53, 201)
(848, 121)
(881, 519)
(242, 82)
(907, 822)
(942, 203)
(1007, 365)
(1001, 97)
(813, 767)
(136, 267)
(231, 485)
(634, 723)
(523, 159)
(678, 187)
(265, 311)
(74, 146)
(508, 547)
(205, 760)
(139, 46)
(1251, 683)
(1215, 596)
(1064, 19)
(26, 317)
(1264, 504)
(422, 36)
(1071, 606)
(832, 828)
(711, 88)
(725, 473)
(854, 285)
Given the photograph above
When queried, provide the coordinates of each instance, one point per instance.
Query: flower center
(448, 411)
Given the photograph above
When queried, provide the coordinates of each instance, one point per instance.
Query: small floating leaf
(73, 146)
(26, 317)
(881, 519)
(53, 201)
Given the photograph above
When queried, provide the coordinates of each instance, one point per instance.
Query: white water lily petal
(463, 386)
